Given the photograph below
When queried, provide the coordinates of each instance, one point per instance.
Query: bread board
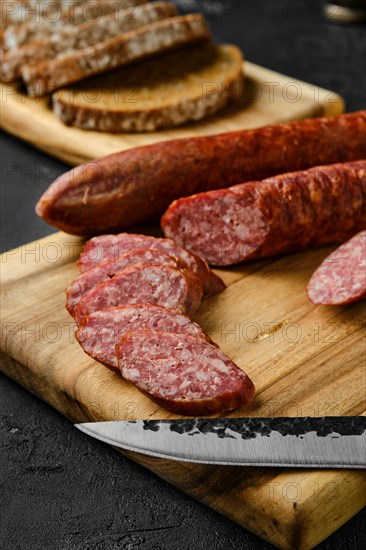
(269, 97)
(304, 360)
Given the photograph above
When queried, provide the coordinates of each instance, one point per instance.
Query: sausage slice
(100, 331)
(106, 270)
(110, 247)
(167, 286)
(341, 278)
(183, 373)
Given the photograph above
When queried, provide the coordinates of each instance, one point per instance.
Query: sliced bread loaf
(77, 37)
(21, 34)
(129, 47)
(180, 86)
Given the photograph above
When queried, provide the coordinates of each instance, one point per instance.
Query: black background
(60, 489)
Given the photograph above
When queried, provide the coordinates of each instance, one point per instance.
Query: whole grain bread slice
(83, 36)
(129, 47)
(11, 13)
(21, 11)
(18, 35)
(181, 86)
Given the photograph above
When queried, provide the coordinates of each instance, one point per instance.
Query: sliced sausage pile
(132, 304)
(111, 247)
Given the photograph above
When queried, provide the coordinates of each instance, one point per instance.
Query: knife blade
(306, 442)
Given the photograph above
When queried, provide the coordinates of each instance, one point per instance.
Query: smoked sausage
(136, 186)
(282, 214)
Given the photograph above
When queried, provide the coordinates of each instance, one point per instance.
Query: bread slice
(83, 36)
(91, 10)
(20, 11)
(178, 87)
(129, 47)
(12, 12)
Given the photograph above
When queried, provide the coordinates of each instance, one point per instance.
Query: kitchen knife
(304, 442)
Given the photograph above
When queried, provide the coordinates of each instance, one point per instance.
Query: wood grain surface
(270, 97)
(303, 359)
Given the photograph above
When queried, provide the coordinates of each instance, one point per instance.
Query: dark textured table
(61, 490)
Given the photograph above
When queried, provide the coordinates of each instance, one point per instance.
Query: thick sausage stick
(106, 270)
(111, 247)
(177, 289)
(341, 278)
(182, 373)
(136, 186)
(99, 332)
(294, 211)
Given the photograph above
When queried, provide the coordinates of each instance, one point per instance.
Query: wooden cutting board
(270, 97)
(304, 360)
